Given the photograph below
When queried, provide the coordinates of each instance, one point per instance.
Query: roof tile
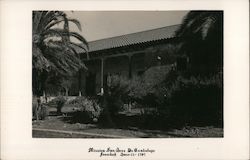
(133, 38)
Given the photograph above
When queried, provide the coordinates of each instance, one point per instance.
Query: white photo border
(16, 86)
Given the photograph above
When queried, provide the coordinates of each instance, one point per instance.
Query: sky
(104, 24)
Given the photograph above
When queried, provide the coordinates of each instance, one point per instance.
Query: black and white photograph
(127, 74)
(123, 80)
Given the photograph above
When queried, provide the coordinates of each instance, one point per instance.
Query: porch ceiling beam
(115, 55)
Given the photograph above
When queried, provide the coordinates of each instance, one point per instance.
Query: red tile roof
(133, 38)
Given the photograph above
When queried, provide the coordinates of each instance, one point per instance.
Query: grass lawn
(58, 123)
(65, 128)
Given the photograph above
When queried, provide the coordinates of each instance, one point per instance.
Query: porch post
(102, 75)
(79, 83)
(130, 66)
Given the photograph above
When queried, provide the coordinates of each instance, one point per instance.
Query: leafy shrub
(118, 87)
(35, 106)
(88, 110)
(196, 100)
(59, 101)
(43, 113)
(116, 94)
(146, 86)
(106, 120)
(179, 98)
(141, 89)
(39, 110)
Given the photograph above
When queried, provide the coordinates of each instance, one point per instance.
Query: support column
(102, 75)
(130, 66)
(79, 83)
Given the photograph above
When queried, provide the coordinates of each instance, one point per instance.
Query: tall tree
(201, 34)
(52, 50)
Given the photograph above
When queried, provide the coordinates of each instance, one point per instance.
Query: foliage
(201, 34)
(143, 89)
(39, 110)
(53, 39)
(88, 110)
(175, 98)
(35, 105)
(108, 113)
(65, 83)
(52, 50)
(117, 87)
(201, 23)
(166, 53)
(59, 101)
(194, 100)
(146, 87)
(115, 95)
(43, 112)
(195, 96)
(61, 85)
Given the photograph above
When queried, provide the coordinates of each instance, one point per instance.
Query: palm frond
(82, 47)
(65, 62)
(53, 33)
(36, 17)
(79, 37)
(77, 23)
(67, 53)
(39, 61)
(56, 53)
(197, 22)
(53, 23)
(49, 18)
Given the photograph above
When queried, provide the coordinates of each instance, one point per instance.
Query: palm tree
(52, 50)
(201, 34)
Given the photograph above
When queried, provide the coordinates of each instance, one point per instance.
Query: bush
(39, 110)
(116, 94)
(43, 113)
(106, 119)
(141, 89)
(178, 98)
(196, 100)
(118, 87)
(59, 101)
(88, 110)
